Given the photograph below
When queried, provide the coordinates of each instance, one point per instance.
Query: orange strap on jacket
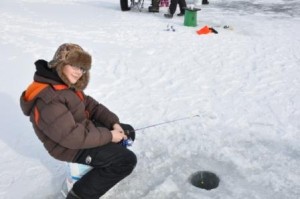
(36, 115)
(33, 90)
(80, 95)
(59, 87)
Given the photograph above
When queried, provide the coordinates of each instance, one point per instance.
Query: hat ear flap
(82, 83)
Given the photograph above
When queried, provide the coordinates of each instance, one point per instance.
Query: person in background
(124, 5)
(182, 6)
(205, 2)
(154, 6)
(164, 3)
(73, 126)
(173, 6)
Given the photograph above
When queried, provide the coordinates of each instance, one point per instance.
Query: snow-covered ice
(243, 83)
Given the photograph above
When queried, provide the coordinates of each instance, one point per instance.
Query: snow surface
(243, 83)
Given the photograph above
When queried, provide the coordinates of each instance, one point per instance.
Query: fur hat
(74, 55)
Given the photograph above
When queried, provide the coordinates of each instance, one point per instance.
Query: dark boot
(168, 15)
(205, 2)
(72, 195)
(182, 6)
(180, 14)
(124, 5)
(154, 6)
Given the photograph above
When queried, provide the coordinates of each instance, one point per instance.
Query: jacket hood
(45, 74)
(26, 106)
(43, 78)
(28, 97)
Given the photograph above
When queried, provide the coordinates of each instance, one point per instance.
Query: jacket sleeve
(57, 123)
(100, 113)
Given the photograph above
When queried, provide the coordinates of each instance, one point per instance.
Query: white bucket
(75, 172)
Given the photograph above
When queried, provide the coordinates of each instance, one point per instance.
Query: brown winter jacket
(62, 117)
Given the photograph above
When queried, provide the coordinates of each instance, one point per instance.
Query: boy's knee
(126, 164)
(131, 157)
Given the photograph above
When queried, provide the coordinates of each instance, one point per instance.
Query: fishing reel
(126, 143)
(130, 138)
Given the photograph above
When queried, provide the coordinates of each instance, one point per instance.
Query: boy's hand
(118, 127)
(118, 136)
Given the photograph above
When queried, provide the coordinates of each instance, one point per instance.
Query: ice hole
(205, 180)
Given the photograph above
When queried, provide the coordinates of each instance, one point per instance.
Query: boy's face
(73, 73)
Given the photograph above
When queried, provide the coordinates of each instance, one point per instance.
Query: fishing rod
(129, 141)
(166, 122)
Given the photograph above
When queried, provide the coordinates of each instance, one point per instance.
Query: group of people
(172, 8)
(155, 7)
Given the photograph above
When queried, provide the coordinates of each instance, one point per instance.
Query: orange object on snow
(204, 30)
